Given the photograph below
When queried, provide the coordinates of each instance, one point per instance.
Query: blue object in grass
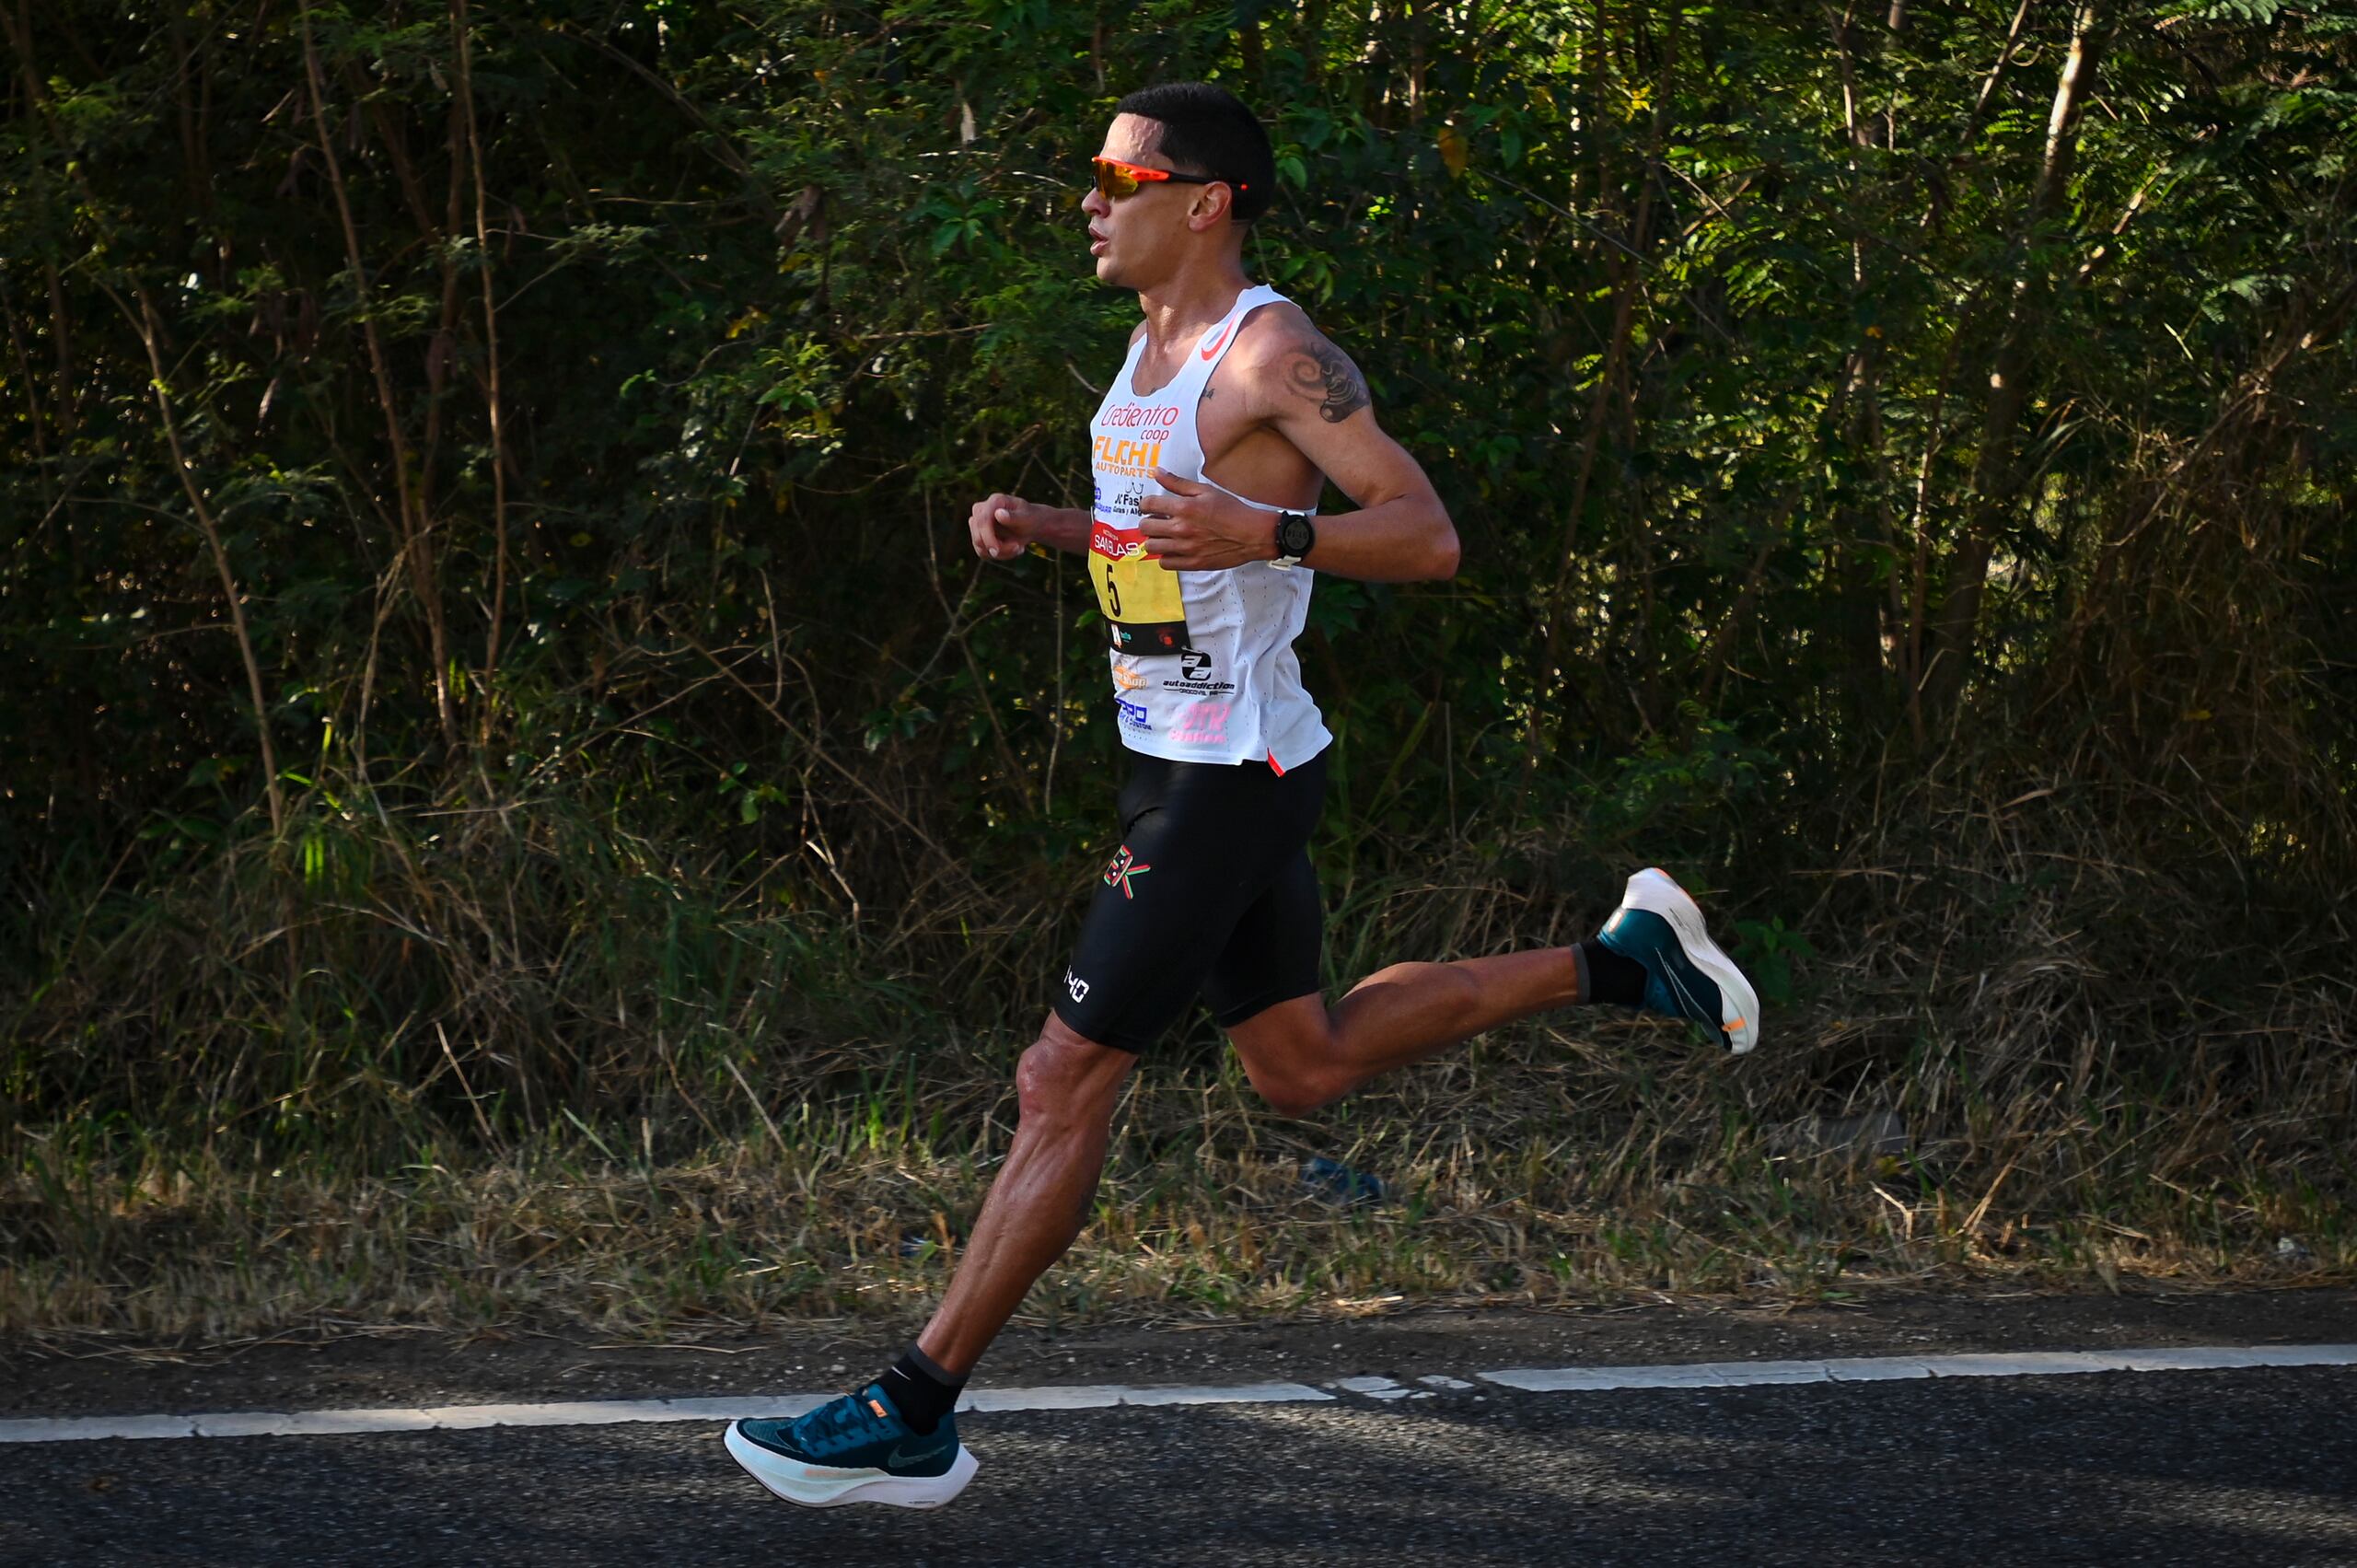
(1338, 1183)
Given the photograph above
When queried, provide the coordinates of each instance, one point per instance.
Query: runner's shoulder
(1272, 332)
(1290, 366)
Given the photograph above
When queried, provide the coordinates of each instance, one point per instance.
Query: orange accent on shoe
(878, 1406)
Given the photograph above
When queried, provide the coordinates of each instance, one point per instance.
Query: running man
(1209, 454)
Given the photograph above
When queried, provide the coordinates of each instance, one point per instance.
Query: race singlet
(1202, 662)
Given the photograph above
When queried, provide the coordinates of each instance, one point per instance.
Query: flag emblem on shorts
(1121, 868)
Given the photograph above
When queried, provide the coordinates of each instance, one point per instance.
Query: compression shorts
(1209, 893)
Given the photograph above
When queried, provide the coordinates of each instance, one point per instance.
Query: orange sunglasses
(1116, 179)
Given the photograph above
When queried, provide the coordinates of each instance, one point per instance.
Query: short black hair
(1207, 130)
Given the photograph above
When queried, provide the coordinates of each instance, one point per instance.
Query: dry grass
(484, 1075)
(1571, 1163)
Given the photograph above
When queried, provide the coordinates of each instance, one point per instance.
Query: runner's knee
(1295, 1089)
(1063, 1079)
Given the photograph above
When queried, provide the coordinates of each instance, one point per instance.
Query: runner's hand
(1194, 527)
(1001, 525)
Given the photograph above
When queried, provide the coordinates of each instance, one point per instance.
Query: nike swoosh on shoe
(1694, 1008)
(900, 1455)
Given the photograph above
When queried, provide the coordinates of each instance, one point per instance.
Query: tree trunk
(1996, 480)
(499, 459)
(1864, 544)
(1628, 284)
(417, 540)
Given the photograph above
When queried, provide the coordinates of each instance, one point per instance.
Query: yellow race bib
(1144, 609)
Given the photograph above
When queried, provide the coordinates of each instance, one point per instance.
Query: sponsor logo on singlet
(1129, 417)
(1195, 677)
(1135, 457)
(1134, 716)
(1202, 723)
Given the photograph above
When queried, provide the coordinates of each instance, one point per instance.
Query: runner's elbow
(1441, 565)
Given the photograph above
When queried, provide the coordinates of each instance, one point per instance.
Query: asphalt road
(2242, 1467)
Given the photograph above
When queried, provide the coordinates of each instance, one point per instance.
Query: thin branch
(144, 322)
(414, 524)
(490, 354)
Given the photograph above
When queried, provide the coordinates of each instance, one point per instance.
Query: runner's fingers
(996, 526)
(1163, 532)
(990, 542)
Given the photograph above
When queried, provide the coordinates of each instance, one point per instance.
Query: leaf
(1453, 149)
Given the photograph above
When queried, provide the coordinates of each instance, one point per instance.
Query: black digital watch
(1296, 539)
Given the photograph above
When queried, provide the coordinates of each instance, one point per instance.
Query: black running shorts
(1210, 893)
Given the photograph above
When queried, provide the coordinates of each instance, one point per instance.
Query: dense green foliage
(482, 579)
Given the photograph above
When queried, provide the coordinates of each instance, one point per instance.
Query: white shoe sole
(1653, 890)
(817, 1486)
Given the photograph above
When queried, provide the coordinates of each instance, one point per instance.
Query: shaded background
(494, 674)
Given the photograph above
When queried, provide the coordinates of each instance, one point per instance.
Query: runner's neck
(1183, 310)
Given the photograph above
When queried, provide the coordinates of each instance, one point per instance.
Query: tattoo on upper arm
(1321, 371)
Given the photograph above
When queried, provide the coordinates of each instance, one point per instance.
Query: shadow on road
(2240, 1467)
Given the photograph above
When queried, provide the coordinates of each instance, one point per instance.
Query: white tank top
(1203, 668)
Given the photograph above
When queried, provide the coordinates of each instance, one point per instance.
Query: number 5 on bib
(1146, 611)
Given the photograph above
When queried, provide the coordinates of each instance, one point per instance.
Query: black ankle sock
(921, 1391)
(1608, 977)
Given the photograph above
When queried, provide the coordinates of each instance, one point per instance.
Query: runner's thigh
(1272, 954)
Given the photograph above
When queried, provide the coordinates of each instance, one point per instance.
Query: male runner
(1209, 453)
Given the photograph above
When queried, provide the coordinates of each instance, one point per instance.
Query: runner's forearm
(1064, 527)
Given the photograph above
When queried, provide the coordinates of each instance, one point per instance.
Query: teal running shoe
(1686, 974)
(854, 1449)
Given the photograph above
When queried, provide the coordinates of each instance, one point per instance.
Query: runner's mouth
(1097, 242)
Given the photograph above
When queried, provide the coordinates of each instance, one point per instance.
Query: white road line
(1551, 1379)
(1881, 1368)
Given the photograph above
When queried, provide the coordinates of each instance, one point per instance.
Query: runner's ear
(1211, 200)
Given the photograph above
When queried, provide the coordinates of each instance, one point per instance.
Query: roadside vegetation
(519, 804)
